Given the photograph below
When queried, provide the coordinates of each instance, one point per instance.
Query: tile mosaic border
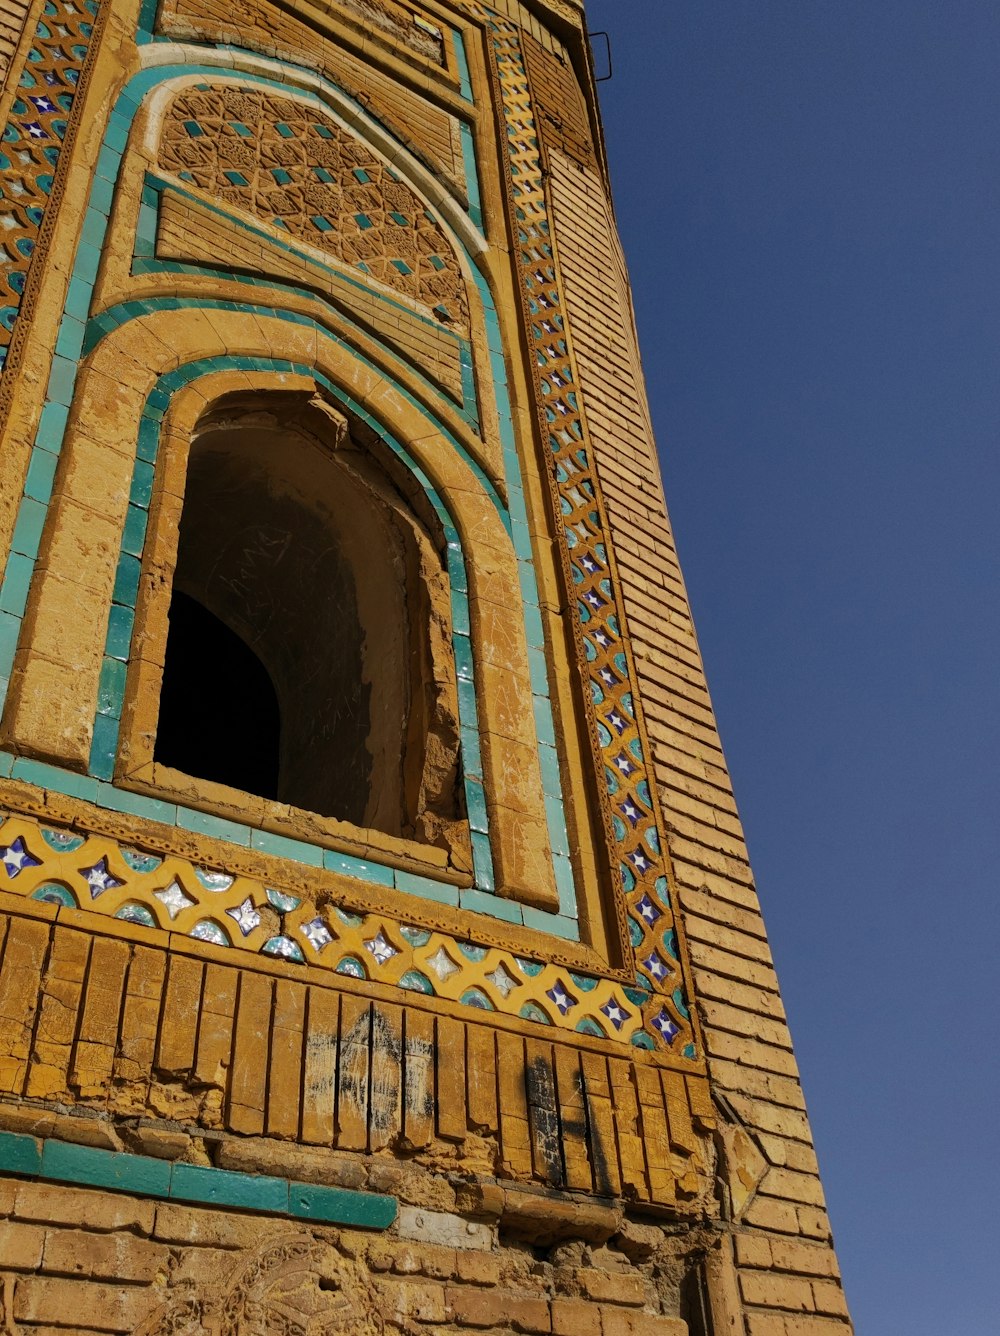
(63, 867)
(635, 830)
(40, 125)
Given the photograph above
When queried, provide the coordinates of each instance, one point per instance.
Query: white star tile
(174, 899)
(246, 916)
(317, 934)
(442, 964)
(381, 948)
(502, 981)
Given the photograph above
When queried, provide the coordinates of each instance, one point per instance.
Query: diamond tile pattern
(290, 166)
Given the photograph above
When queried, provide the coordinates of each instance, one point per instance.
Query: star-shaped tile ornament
(246, 916)
(564, 1000)
(616, 1014)
(666, 1026)
(173, 899)
(317, 934)
(99, 878)
(442, 964)
(503, 981)
(647, 911)
(16, 858)
(381, 948)
(656, 966)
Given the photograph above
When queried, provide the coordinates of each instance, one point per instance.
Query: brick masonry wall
(77, 1260)
(787, 1268)
(13, 17)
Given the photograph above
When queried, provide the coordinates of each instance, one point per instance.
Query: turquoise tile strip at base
(143, 1176)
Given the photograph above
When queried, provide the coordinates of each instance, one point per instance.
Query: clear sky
(809, 194)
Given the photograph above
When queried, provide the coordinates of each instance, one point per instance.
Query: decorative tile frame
(633, 825)
(77, 336)
(636, 834)
(40, 125)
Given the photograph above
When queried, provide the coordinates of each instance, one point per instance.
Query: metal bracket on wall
(602, 78)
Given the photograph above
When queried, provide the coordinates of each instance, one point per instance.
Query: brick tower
(379, 951)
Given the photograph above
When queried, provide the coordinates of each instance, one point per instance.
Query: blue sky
(809, 195)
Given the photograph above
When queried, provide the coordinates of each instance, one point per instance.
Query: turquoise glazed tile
(456, 569)
(136, 804)
(438, 891)
(19, 1154)
(111, 688)
(119, 639)
(563, 869)
(78, 299)
(126, 580)
(467, 703)
(105, 1169)
(482, 861)
(220, 1187)
(543, 721)
(481, 903)
(555, 924)
(463, 656)
(104, 747)
(362, 1210)
(558, 838)
(533, 627)
(134, 535)
(472, 760)
(102, 192)
(475, 801)
(28, 529)
(548, 760)
(69, 344)
(17, 578)
(142, 484)
(88, 261)
(52, 777)
(538, 672)
(357, 867)
(460, 612)
(206, 824)
(52, 426)
(10, 630)
(41, 474)
(283, 847)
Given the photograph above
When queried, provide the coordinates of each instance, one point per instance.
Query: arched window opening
(308, 657)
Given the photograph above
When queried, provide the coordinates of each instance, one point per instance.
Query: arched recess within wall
(304, 539)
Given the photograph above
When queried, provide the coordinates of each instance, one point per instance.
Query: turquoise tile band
(144, 1176)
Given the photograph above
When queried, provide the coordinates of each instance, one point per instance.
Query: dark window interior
(219, 716)
(308, 657)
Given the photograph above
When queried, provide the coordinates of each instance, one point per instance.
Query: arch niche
(309, 656)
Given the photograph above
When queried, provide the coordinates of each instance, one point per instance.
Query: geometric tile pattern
(96, 873)
(32, 140)
(287, 164)
(640, 860)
